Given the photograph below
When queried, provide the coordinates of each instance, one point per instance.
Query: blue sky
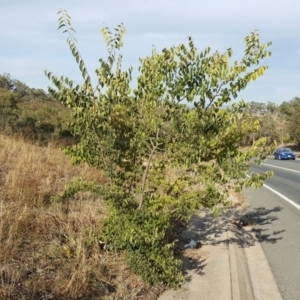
(31, 43)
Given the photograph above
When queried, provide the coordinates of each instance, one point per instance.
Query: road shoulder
(232, 262)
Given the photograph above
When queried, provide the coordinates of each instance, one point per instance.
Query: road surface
(276, 210)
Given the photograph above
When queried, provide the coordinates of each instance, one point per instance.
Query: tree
(272, 122)
(287, 108)
(256, 109)
(6, 82)
(294, 124)
(163, 159)
(9, 110)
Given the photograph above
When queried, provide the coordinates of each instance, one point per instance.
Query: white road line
(280, 195)
(291, 170)
(283, 197)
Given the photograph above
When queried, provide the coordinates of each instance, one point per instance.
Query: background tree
(287, 107)
(294, 125)
(9, 110)
(273, 124)
(163, 159)
(6, 82)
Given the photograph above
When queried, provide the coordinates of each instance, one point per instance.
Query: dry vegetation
(48, 249)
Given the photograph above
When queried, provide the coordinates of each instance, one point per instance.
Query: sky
(30, 42)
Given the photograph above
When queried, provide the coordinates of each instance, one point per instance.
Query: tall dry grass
(48, 249)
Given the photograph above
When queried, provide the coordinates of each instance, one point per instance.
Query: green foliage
(294, 124)
(290, 111)
(142, 235)
(31, 112)
(287, 108)
(76, 186)
(6, 82)
(271, 122)
(43, 120)
(167, 146)
(9, 110)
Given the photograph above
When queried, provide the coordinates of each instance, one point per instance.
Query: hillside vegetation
(32, 113)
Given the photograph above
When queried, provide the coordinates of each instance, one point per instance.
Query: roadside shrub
(163, 159)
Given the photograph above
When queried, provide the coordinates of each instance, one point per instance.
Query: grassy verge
(48, 249)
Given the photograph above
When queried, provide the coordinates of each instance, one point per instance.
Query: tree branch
(145, 175)
(214, 97)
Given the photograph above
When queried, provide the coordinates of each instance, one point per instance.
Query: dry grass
(241, 201)
(48, 249)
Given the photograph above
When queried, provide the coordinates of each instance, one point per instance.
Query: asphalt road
(276, 211)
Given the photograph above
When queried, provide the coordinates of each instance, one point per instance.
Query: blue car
(284, 153)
